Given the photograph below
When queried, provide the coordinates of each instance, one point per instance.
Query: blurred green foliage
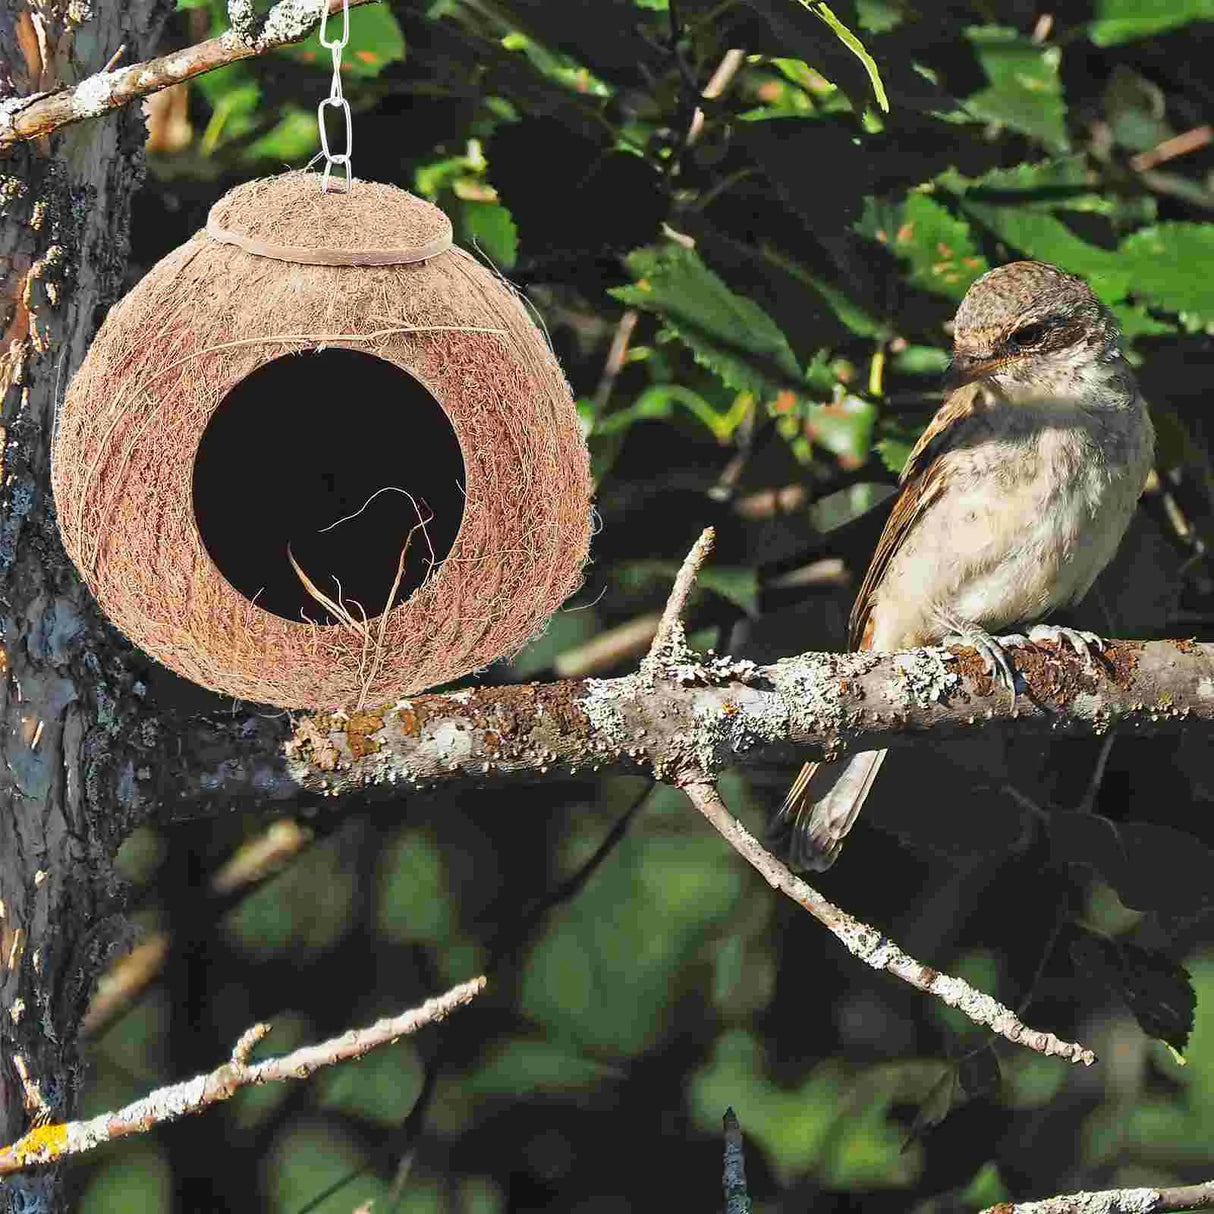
(750, 294)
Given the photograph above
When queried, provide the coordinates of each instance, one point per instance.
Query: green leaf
(938, 246)
(894, 453)
(659, 401)
(290, 139)
(1169, 267)
(919, 360)
(1157, 990)
(375, 41)
(519, 1068)
(1124, 20)
(1025, 91)
(844, 428)
(491, 226)
(303, 910)
(738, 584)
(853, 44)
(1046, 238)
(381, 1087)
(601, 976)
(727, 333)
(986, 1188)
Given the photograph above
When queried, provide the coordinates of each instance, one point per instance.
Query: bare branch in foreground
(50, 1143)
(40, 114)
(869, 945)
(1116, 1201)
(737, 1195)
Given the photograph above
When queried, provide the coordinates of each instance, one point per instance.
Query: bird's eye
(1030, 334)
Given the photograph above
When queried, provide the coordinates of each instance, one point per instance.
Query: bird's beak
(966, 368)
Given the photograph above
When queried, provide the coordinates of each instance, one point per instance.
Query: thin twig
(670, 626)
(50, 1143)
(737, 1196)
(1116, 1201)
(720, 80)
(870, 945)
(616, 355)
(1169, 149)
(39, 114)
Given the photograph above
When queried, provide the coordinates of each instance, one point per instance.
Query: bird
(1012, 501)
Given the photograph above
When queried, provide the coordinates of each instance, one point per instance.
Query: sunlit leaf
(844, 428)
(1124, 20)
(1164, 263)
(292, 138)
(937, 245)
(824, 13)
(1025, 92)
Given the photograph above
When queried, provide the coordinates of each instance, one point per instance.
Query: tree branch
(38, 114)
(1116, 1201)
(50, 1143)
(733, 1178)
(870, 945)
(687, 717)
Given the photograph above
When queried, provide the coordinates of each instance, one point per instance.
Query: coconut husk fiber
(211, 313)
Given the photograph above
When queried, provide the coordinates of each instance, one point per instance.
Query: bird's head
(1030, 327)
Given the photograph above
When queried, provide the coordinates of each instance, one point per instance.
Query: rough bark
(686, 719)
(67, 693)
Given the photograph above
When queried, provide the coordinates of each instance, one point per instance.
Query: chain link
(335, 99)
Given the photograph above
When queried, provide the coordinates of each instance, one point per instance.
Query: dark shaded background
(637, 991)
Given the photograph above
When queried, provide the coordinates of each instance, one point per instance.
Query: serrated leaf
(726, 332)
(938, 246)
(1025, 91)
(1045, 237)
(1124, 20)
(894, 453)
(1170, 267)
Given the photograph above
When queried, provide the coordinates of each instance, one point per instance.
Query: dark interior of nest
(313, 475)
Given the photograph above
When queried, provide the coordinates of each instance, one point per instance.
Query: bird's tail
(822, 805)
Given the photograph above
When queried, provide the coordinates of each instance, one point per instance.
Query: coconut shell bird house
(320, 457)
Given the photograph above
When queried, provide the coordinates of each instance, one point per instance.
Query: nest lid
(289, 218)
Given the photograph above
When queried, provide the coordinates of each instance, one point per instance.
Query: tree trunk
(69, 695)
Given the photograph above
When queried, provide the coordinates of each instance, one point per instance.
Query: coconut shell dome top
(315, 409)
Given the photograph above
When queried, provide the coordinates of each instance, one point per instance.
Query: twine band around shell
(321, 256)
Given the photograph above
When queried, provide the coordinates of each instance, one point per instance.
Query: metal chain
(335, 99)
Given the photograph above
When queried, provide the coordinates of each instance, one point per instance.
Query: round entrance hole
(320, 457)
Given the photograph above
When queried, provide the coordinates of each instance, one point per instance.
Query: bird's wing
(922, 481)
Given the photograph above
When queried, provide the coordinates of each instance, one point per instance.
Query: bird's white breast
(1029, 514)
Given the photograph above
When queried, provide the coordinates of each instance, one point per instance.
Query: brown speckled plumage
(1014, 498)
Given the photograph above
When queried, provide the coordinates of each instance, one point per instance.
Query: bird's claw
(993, 653)
(1080, 641)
